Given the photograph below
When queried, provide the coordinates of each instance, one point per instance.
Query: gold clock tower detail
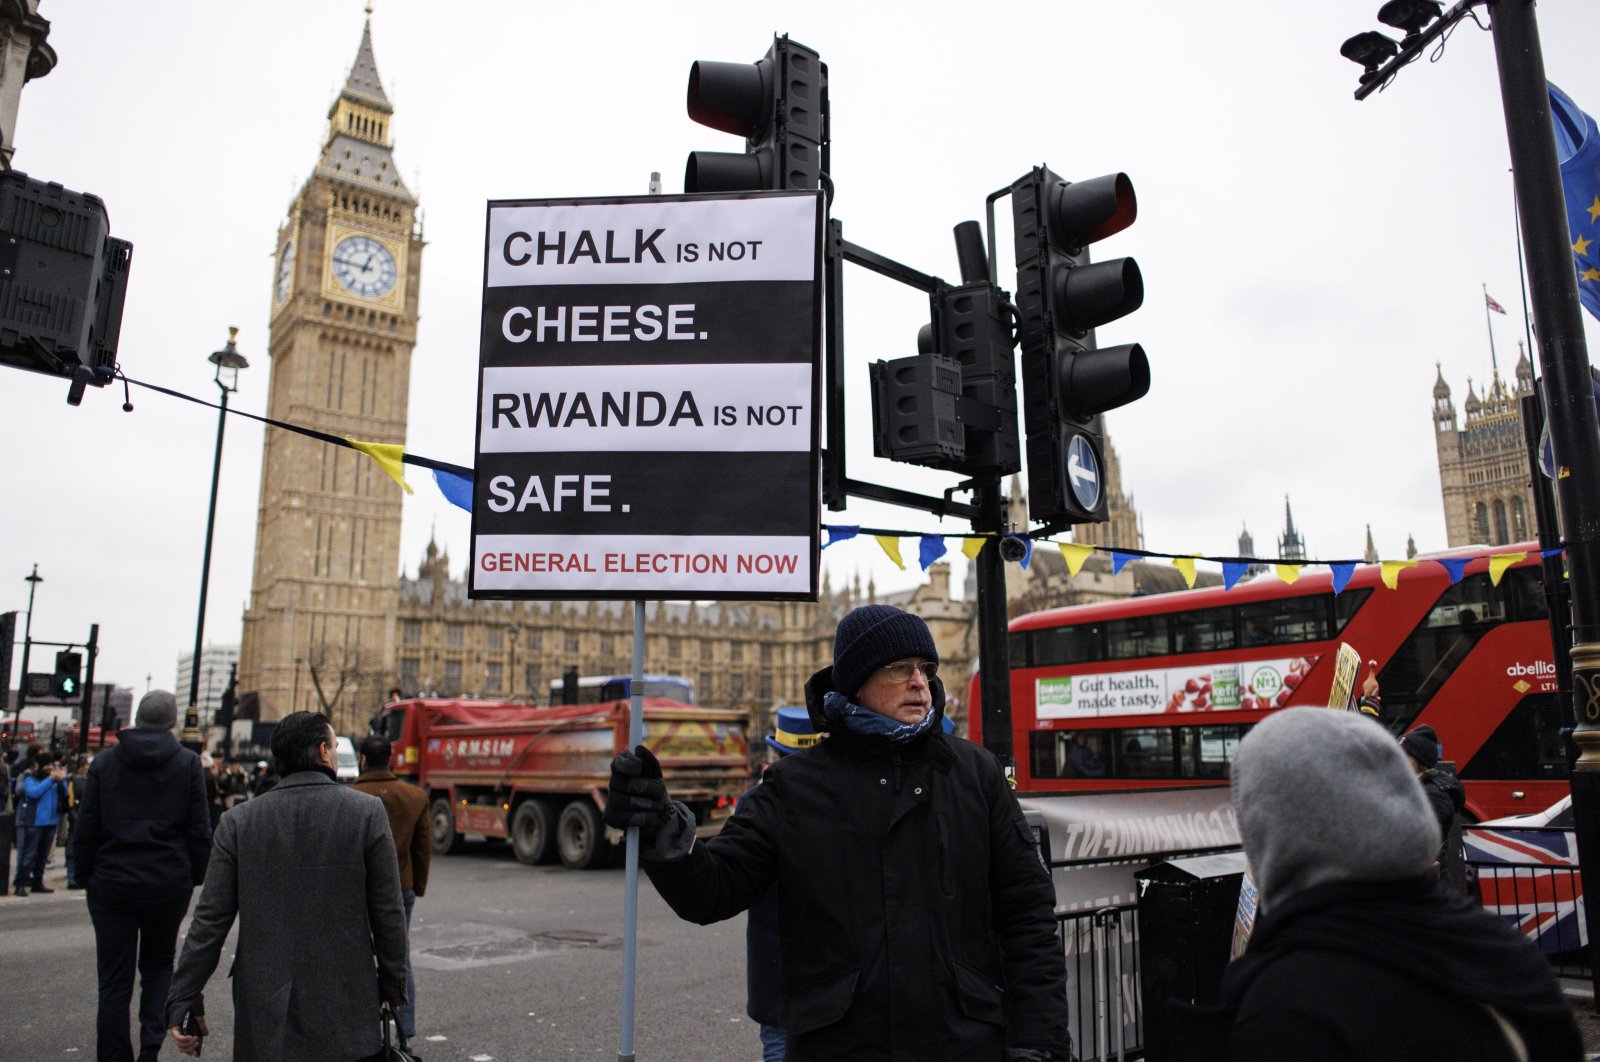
(319, 630)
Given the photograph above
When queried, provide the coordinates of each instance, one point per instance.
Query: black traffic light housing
(68, 677)
(778, 104)
(63, 281)
(1062, 297)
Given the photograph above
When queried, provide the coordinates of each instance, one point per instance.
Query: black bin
(1187, 909)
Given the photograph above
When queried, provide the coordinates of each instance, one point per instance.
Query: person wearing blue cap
(916, 919)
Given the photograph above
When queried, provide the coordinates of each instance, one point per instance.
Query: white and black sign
(647, 398)
(1083, 473)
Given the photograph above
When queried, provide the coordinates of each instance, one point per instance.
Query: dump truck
(537, 775)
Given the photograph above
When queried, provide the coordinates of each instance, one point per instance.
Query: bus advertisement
(1155, 692)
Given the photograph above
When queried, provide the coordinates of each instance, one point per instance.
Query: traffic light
(66, 681)
(777, 104)
(953, 405)
(1067, 381)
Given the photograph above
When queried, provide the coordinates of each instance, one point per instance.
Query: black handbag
(391, 1052)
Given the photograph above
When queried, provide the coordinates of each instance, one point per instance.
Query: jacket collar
(307, 777)
(377, 774)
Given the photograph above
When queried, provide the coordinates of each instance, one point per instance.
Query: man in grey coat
(309, 870)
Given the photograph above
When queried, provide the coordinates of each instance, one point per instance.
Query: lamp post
(228, 361)
(33, 582)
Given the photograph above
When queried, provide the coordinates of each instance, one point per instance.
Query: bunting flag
(890, 544)
(457, 490)
(389, 457)
(1501, 561)
(972, 545)
(1341, 575)
(1119, 559)
(1027, 550)
(840, 533)
(1287, 572)
(1075, 554)
(1392, 569)
(1186, 566)
(1456, 566)
(930, 549)
(1232, 572)
(1556, 552)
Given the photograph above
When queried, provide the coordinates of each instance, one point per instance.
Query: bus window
(1285, 621)
(1527, 744)
(1069, 753)
(1145, 752)
(1461, 616)
(1346, 605)
(1066, 645)
(1209, 750)
(1017, 648)
(1203, 630)
(1135, 637)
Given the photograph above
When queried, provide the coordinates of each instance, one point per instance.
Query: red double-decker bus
(1156, 692)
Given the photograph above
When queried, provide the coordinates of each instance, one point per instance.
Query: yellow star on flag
(1582, 246)
(1594, 209)
(1590, 274)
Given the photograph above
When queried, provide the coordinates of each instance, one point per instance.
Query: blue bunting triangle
(841, 533)
(1027, 549)
(931, 549)
(1118, 560)
(1456, 566)
(457, 490)
(1341, 576)
(1232, 572)
(1551, 552)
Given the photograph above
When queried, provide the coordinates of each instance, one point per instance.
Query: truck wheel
(533, 832)
(581, 835)
(442, 824)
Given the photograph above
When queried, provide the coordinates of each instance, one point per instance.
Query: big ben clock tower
(319, 630)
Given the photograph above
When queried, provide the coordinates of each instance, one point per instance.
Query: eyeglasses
(900, 670)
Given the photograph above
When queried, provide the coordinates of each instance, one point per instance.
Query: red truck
(538, 775)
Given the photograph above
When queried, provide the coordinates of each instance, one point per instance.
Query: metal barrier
(1542, 899)
(1102, 950)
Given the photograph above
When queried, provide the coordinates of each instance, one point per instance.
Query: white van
(349, 766)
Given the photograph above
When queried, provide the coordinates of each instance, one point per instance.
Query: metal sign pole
(630, 877)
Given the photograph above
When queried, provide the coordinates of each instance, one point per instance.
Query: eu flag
(1578, 150)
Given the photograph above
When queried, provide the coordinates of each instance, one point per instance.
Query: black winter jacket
(1381, 972)
(916, 918)
(143, 830)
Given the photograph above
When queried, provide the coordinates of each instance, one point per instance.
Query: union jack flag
(1530, 878)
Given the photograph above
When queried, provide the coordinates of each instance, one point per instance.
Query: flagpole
(1488, 323)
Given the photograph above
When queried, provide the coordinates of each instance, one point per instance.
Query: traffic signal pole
(1570, 407)
(88, 689)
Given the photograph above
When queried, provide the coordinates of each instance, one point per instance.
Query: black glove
(638, 795)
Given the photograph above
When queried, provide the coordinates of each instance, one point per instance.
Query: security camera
(1013, 548)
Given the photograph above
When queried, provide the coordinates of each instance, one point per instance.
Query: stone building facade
(319, 629)
(1483, 462)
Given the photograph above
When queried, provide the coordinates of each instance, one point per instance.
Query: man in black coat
(916, 918)
(140, 846)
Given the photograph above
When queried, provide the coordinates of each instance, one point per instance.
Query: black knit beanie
(872, 636)
(1422, 744)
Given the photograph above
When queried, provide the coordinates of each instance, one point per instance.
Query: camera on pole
(1067, 380)
(777, 104)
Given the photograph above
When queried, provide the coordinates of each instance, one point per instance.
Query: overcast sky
(1307, 258)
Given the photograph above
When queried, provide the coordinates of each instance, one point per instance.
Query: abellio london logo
(1537, 669)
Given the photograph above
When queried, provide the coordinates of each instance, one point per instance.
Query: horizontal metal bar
(888, 267)
(937, 506)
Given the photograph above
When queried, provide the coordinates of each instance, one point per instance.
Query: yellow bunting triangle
(1075, 553)
(1501, 561)
(387, 455)
(1392, 569)
(891, 546)
(1186, 566)
(972, 545)
(1287, 572)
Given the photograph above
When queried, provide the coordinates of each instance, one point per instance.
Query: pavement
(1581, 995)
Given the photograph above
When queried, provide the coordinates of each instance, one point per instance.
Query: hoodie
(144, 829)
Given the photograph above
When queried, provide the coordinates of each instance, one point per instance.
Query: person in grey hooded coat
(309, 870)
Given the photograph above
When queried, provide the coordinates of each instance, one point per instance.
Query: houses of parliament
(330, 627)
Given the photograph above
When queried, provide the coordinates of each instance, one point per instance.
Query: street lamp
(228, 361)
(33, 582)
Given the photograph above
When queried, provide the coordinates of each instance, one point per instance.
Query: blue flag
(1232, 572)
(931, 549)
(1342, 571)
(457, 490)
(1456, 566)
(1578, 150)
(840, 533)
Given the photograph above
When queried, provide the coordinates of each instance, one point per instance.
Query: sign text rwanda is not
(647, 396)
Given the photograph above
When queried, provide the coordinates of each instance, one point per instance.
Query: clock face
(364, 266)
(285, 271)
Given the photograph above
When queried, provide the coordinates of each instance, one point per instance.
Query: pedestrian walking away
(308, 868)
(1360, 953)
(140, 846)
(407, 809)
(916, 920)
